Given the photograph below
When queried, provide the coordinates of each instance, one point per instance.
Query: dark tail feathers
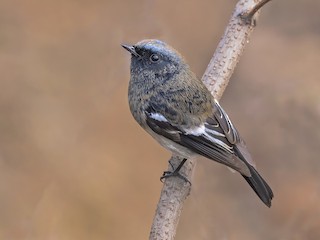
(260, 186)
(257, 183)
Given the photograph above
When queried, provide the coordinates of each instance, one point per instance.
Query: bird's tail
(259, 185)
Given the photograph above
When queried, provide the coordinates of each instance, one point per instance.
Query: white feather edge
(197, 131)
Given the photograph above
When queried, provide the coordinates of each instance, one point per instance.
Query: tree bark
(216, 77)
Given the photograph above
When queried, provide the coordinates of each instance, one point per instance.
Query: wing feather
(231, 132)
(207, 140)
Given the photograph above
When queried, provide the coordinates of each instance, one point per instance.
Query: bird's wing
(231, 132)
(215, 139)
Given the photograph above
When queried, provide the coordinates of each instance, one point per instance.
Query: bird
(170, 103)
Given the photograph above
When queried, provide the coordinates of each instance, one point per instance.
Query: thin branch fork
(216, 77)
(247, 17)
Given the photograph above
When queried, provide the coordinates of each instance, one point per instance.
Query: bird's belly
(175, 148)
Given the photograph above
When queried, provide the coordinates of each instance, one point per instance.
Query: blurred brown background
(75, 165)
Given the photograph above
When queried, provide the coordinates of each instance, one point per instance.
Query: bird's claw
(167, 174)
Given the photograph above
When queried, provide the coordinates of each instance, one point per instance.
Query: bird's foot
(175, 172)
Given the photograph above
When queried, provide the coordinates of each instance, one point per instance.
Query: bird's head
(154, 59)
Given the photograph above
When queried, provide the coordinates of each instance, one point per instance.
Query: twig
(247, 17)
(216, 77)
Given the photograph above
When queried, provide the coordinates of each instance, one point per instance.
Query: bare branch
(229, 50)
(174, 192)
(216, 78)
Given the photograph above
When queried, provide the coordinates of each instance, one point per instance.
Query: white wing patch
(158, 117)
(196, 131)
(209, 134)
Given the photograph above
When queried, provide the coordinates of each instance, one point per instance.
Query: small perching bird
(173, 106)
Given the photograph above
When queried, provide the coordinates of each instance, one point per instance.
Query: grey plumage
(176, 108)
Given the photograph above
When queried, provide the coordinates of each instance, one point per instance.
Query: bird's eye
(154, 58)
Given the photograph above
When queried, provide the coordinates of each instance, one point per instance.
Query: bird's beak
(131, 49)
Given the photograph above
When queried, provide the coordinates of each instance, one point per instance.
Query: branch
(216, 78)
(247, 17)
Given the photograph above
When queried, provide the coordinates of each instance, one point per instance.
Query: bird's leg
(175, 172)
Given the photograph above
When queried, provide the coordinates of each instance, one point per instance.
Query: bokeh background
(75, 165)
